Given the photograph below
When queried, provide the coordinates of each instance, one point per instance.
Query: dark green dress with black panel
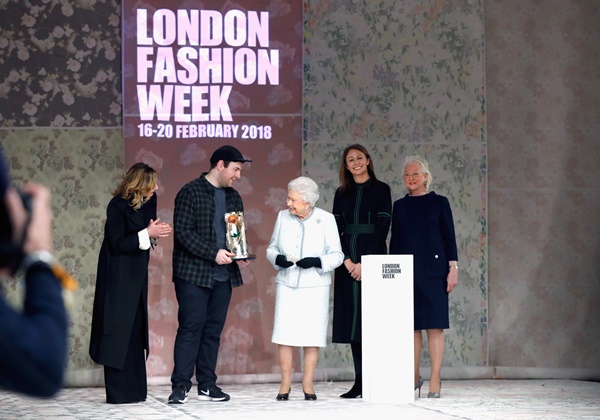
(363, 216)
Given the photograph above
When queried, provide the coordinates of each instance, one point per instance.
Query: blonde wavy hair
(138, 183)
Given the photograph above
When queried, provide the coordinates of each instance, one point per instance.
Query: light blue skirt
(301, 316)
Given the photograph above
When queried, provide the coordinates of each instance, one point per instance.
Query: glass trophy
(235, 239)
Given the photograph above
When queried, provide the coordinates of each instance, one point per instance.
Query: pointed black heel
(284, 397)
(355, 391)
(309, 397)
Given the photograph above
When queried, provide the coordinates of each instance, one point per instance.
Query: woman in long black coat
(362, 209)
(422, 225)
(119, 337)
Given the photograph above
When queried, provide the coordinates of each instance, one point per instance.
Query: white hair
(424, 168)
(307, 188)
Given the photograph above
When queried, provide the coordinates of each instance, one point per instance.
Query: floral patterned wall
(399, 77)
(407, 78)
(81, 167)
(60, 63)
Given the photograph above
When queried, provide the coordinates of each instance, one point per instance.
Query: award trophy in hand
(236, 236)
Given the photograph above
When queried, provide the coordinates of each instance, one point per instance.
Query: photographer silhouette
(33, 342)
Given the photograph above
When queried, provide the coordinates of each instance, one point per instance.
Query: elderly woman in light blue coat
(305, 250)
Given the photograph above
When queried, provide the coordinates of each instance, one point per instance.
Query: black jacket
(121, 281)
(33, 342)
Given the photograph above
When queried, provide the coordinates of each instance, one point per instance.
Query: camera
(11, 241)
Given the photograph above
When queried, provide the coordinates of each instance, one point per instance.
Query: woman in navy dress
(422, 225)
(362, 209)
(119, 337)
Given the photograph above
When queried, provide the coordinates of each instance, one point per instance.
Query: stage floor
(461, 399)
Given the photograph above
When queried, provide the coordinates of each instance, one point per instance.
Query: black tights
(356, 347)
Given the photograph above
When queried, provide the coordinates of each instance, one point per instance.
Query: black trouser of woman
(129, 385)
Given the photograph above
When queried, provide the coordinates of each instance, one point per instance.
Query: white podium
(388, 329)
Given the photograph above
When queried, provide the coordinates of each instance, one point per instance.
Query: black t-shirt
(220, 272)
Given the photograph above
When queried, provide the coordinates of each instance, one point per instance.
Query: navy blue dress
(363, 216)
(423, 226)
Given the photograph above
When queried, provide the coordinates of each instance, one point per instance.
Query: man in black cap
(203, 273)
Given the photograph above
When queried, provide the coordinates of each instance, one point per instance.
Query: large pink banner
(198, 75)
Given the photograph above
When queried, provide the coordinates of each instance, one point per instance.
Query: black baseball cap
(228, 153)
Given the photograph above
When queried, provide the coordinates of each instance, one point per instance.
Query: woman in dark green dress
(362, 209)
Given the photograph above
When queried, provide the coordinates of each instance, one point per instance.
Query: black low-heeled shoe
(310, 397)
(355, 391)
(283, 397)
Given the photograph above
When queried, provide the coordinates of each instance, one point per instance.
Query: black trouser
(202, 313)
(129, 384)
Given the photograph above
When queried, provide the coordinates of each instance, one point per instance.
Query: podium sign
(388, 329)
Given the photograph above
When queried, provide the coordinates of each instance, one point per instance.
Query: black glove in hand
(309, 262)
(283, 262)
